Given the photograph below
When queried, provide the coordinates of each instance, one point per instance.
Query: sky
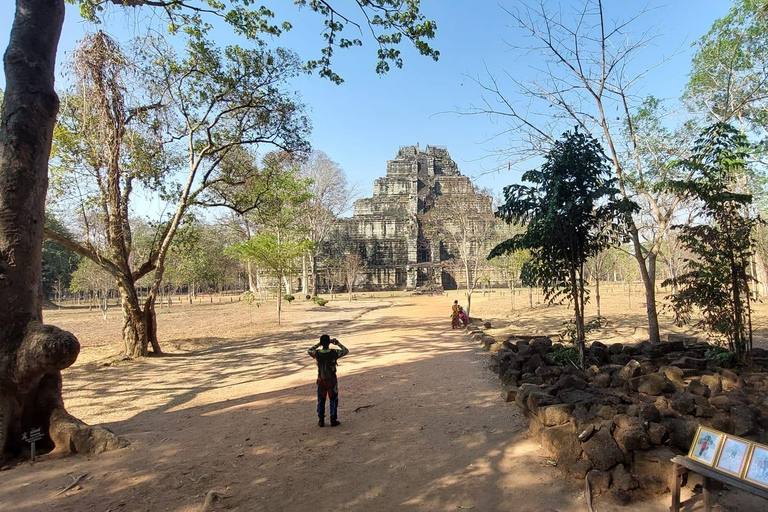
(362, 123)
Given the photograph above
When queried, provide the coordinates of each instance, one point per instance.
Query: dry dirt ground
(231, 409)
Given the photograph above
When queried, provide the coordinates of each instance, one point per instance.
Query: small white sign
(33, 435)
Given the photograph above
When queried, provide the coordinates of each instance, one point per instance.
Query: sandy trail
(431, 431)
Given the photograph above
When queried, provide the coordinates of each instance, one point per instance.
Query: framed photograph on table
(757, 466)
(706, 445)
(733, 455)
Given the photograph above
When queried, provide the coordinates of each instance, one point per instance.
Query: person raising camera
(327, 383)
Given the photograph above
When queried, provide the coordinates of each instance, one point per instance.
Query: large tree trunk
(150, 321)
(32, 354)
(647, 266)
(135, 335)
(139, 325)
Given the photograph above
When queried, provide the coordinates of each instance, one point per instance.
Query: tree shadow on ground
(420, 440)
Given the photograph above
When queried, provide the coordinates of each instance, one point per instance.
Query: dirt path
(423, 428)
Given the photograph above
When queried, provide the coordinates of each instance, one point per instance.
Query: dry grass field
(214, 319)
(624, 310)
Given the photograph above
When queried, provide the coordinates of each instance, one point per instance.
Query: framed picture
(705, 445)
(757, 466)
(733, 455)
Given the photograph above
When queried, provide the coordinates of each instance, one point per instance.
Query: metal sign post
(32, 437)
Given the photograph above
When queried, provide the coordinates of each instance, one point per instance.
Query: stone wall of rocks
(620, 422)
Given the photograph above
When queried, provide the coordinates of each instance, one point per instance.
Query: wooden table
(681, 465)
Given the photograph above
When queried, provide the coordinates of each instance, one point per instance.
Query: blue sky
(362, 123)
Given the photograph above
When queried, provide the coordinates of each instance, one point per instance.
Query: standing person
(455, 322)
(327, 384)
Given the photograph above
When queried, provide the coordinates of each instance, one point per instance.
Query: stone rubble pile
(619, 422)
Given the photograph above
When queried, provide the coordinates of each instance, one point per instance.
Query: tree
(570, 213)
(598, 264)
(717, 280)
(58, 262)
(215, 101)
(510, 265)
(352, 264)
(91, 279)
(674, 255)
(281, 240)
(627, 267)
(241, 220)
(335, 249)
(32, 354)
(463, 223)
(729, 76)
(588, 78)
(330, 198)
(191, 256)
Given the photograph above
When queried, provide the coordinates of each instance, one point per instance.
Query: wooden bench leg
(707, 495)
(677, 476)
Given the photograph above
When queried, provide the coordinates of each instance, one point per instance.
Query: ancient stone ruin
(388, 229)
(618, 423)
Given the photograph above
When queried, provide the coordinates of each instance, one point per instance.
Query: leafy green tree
(58, 262)
(570, 213)
(511, 265)
(390, 22)
(197, 257)
(729, 81)
(278, 256)
(92, 280)
(729, 76)
(282, 240)
(718, 279)
(213, 102)
(190, 257)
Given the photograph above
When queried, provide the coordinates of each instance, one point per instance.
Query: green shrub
(290, 298)
(721, 356)
(566, 356)
(250, 299)
(568, 334)
(321, 302)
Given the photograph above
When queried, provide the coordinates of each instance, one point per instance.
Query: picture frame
(706, 445)
(756, 471)
(732, 457)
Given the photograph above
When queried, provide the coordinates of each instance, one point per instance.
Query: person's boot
(321, 422)
(335, 422)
